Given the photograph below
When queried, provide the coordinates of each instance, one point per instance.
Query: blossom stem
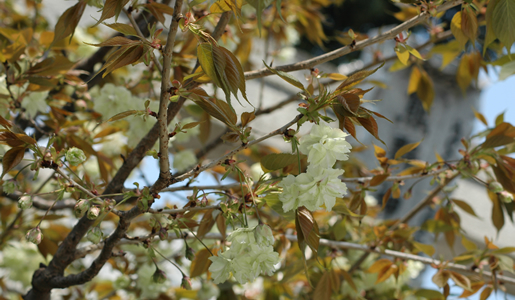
(169, 260)
(207, 248)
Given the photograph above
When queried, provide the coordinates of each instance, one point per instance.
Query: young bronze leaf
(357, 77)
(123, 28)
(309, 228)
(371, 126)
(457, 30)
(200, 263)
(115, 41)
(469, 23)
(276, 161)
(236, 71)
(130, 56)
(286, 77)
(246, 118)
(123, 115)
(405, 149)
(68, 21)
(5, 123)
(12, 158)
(497, 212)
(111, 8)
(441, 277)
(206, 224)
(323, 289)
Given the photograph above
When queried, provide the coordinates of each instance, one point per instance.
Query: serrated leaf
(405, 149)
(469, 23)
(247, 117)
(414, 52)
(200, 263)
(206, 224)
(68, 21)
(414, 80)
(457, 31)
(323, 290)
(441, 277)
(465, 207)
(123, 115)
(111, 8)
(507, 70)
(490, 34)
(115, 41)
(402, 53)
(259, 5)
(12, 158)
(286, 77)
(272, 200)
(123, 28)
(371, 126)
(125, 56)
(426, 249)
(357, 77)
(461, 280)
(309, 228)
(429, 294)
(379, 265)
(276, 161)
(342, 208)
(503, 22)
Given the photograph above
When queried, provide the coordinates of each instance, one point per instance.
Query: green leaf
(503, 22)
(276, 161)
(507, 70)
(286, 77)
(357, 77)
(272, 200)
(457, 30)
(68, 21)
(323, 289)
(429, 294)
(426, 249)
(402, 53)
(260, 5)
(490, 34)
(405, 149)
(465, 207)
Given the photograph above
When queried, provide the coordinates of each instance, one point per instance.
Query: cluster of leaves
(71, 211)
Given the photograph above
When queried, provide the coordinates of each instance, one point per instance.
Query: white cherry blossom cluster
(320, 185)
(251, 253)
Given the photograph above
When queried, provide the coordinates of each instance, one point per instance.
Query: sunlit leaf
(503, 22)
(68, 21)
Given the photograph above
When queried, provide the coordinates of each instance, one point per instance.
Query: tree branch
(310, 63)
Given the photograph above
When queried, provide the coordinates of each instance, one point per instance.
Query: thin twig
(141, 35)
(390, 34)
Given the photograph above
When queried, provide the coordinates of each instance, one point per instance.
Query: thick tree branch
(312, 62)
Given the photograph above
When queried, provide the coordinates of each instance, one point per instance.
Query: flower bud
(9, 186)
(186, 283)
(75, 156)
(163, 234)
(81, 207)
(93, 212)
(159, 276)
(25, 202)
(190, 253)
(495, 187)
(94, 235)
(506, 197)
(264, 235)
(34, 235)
